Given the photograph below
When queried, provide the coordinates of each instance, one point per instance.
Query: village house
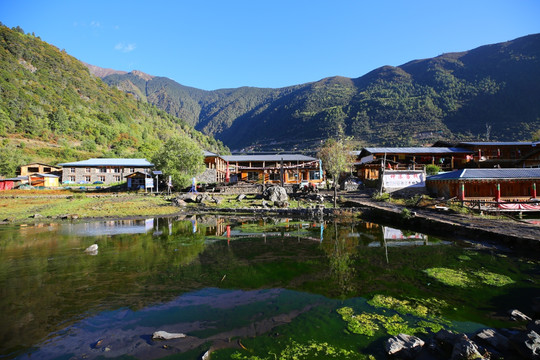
(265, 169)
(369, 160)
(39, 168)
(103, 170)
(487, 154)
(512, 184)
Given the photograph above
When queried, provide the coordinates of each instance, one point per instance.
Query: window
(46, 169)
(101, 178)
(102, 170)
(117, 170)
(275, 176)
(33, 169)
(116, 178)
(314, 175)
(87, 170)
(87, 178)
(252, 176)
(72, 170)
(72, 178)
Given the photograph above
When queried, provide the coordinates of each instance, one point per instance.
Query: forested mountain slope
(52, 109)
(489, 92)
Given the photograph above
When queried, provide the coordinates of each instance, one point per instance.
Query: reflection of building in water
(395, 237)
(111, 227)
(396, 234)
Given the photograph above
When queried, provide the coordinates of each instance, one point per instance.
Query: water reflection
(109, 227)
(197, 275)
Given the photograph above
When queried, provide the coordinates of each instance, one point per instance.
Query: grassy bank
(23, 206)
(18, 206)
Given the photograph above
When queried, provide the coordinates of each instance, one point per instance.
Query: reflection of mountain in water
(112, 227)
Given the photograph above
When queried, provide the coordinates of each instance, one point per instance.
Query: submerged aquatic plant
(466, 279)
(368, 323)
(450, 277)
(426, 310)
(309, 350)
(401, 306)
(493, 279)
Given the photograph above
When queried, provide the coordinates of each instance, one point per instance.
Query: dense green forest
(52, 109)
(489, 93)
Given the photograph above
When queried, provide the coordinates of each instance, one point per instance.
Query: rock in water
(92, 249)
(407, 346)
(163, 335)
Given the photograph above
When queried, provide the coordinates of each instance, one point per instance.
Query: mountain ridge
(455, 95)
(52, 109)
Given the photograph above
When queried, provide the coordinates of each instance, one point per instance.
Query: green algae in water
(493, 279)
(450, 277)
(460, 278)
(369, 324)
(305, 351)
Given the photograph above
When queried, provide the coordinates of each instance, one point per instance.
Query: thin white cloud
(125, 48)
(95, 24)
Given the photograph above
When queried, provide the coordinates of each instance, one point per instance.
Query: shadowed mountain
(492, 91)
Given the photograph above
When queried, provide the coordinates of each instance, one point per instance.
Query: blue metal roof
(500, 143)
(477, 174)
(109, 162)
(272, 158)
(418, 150)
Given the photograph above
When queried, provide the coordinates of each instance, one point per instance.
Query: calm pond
(247, 289)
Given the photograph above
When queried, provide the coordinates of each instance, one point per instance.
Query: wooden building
(501, 154)
(511, 184)
(139, 181)
(216, 168)
(44, 180)
(266, 169)
(39, 168)
(369, 160)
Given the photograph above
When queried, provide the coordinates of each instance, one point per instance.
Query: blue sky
(227, 44)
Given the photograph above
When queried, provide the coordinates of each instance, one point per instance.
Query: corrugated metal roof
(500, 143)
(511, 173)
(418, 150)
(45, 175)
(273, 157)
(110, 162)
(209, 153)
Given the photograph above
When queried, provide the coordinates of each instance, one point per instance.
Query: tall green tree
(336, 158)
(11, 158)
(182, 159)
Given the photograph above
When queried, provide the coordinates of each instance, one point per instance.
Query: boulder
(241, 197)
(163, 335)
(281, 204)
(494, 339)
(200, 198)
(403, 345)
(187, 197)
(178, 202)
(276, 193)
(527, 344)
(465, 349)
(517, 315)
